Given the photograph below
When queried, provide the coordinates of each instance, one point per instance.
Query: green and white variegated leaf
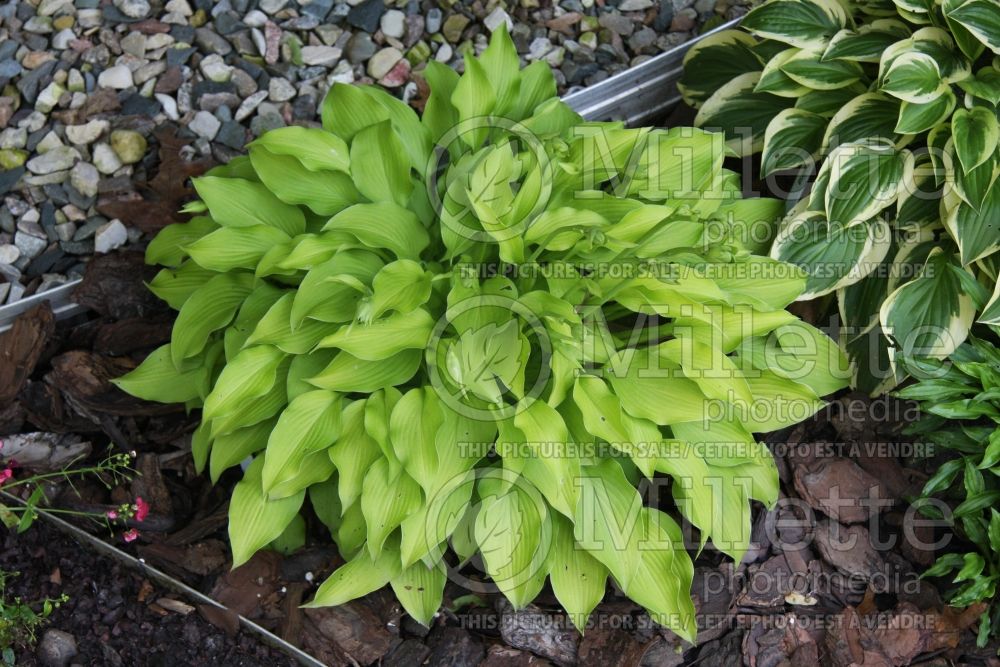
(741, 113)
(870, 115)
(918, 206)
(832, 255)
(976, 133)
(991, 311)
(970, 186)
(914, 6)
(940, 46)
(774, 80)
(977, 232)
(929, 316)
(827, 103)
(715, 60)
(867, 43)
(792, 139)
(917, 118)
(968, 43)
(864, 179)
(981, 18)
(807, 24)
(808, 69)
(913, 77)
(985, 85)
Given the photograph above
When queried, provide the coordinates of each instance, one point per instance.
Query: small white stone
(9, 253)
(14, 137)
(393, 24)
(280, 90)
(250, 104)
(87, 134)
(320, 55)
(118, 77)
(636, 5)
(110, 236)
(255, 18)
(75, 81)
(50, 7)
(498, 17)
(204, 124)
(89, 18)
(49, 141)
(383, 61)
(84, 177)
(49, 97)
(105, 159)
(169, 105)
(62, 39)
(134, 9)
(179, 7)
(272, 6)
(444, 53)
(57, 159)
(215, 68)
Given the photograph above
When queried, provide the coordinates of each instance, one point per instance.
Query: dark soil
(114, 613)
(798, 599)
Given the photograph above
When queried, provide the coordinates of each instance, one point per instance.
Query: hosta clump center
(477, 331)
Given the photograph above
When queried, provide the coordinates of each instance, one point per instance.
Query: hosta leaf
(384, 337)
(930, 315)
(347, 110)
(714, 60)
(310, 423)
(231, 449)
(234, 248)
(358, 577)
(865, 45)
(792, 139)
(559, 469)
(208, 309)
(864, 179)
(251, 374)
(985, 84)
(916, 118)
(802, 23)
(774, 80)
(981, 19)
(168, 248)
(157, 379)
(378, 166)
(402, 286)
(537, 86)
(234, 202)
(513, 531)
(500, 62)
(323, 192)
(330, 291)
(439, 114)
(976, 133)
(317, 150)
(778, 402)
(254, 519)
(809, 69)
(578, 579)
(741, 113)
(913, 77)
(353, 453)
(419, 589)
(383, 225)
(385, 502)
(977, 232)
(991, 311)
(475, 98)
(274, 328)
(413, 426)
(347, 373)
(871, 115)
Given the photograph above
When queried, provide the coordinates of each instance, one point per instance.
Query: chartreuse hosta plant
(892, 106)
(961, 405)
(477, 332)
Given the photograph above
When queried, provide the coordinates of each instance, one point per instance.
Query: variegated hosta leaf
(867, 116)
(985, 84)
(931, 315)
(807, 24)
(864, 179)
(915, 118)
(713, 61)
(792, 140)
(980, 18)
(975, 133)
(913, 77)
(810, 69)
(867, 43)
(774, 80)
(486, 347)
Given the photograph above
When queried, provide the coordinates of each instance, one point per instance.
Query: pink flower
(112, 514)
(130, 535)
(6, 474)
(141, 509)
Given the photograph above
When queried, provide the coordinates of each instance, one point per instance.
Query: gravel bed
(90, 88)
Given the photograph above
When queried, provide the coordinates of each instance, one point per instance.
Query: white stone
(49, 97)
(30, 246)
(49, 141)
(215, 68)
(62, 39)
(57, 159)
(105, 159)
(272, 6)
(393, 24)
(84, 177)
(109, 236)
(87, 134)
(75, 81)
(383, 61)
(280, 90)
(204, 124)
(118, 77)
(50, 7)
(255, 18)
(89, 18)
(9, 253)
(250, 104)
(320, 55)
(159, 41)
(134, 9)
(134, 43)
(179, 7)
(498, 17)
(637, 5)
(169, 105)
(444, 53)
(14, 137)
